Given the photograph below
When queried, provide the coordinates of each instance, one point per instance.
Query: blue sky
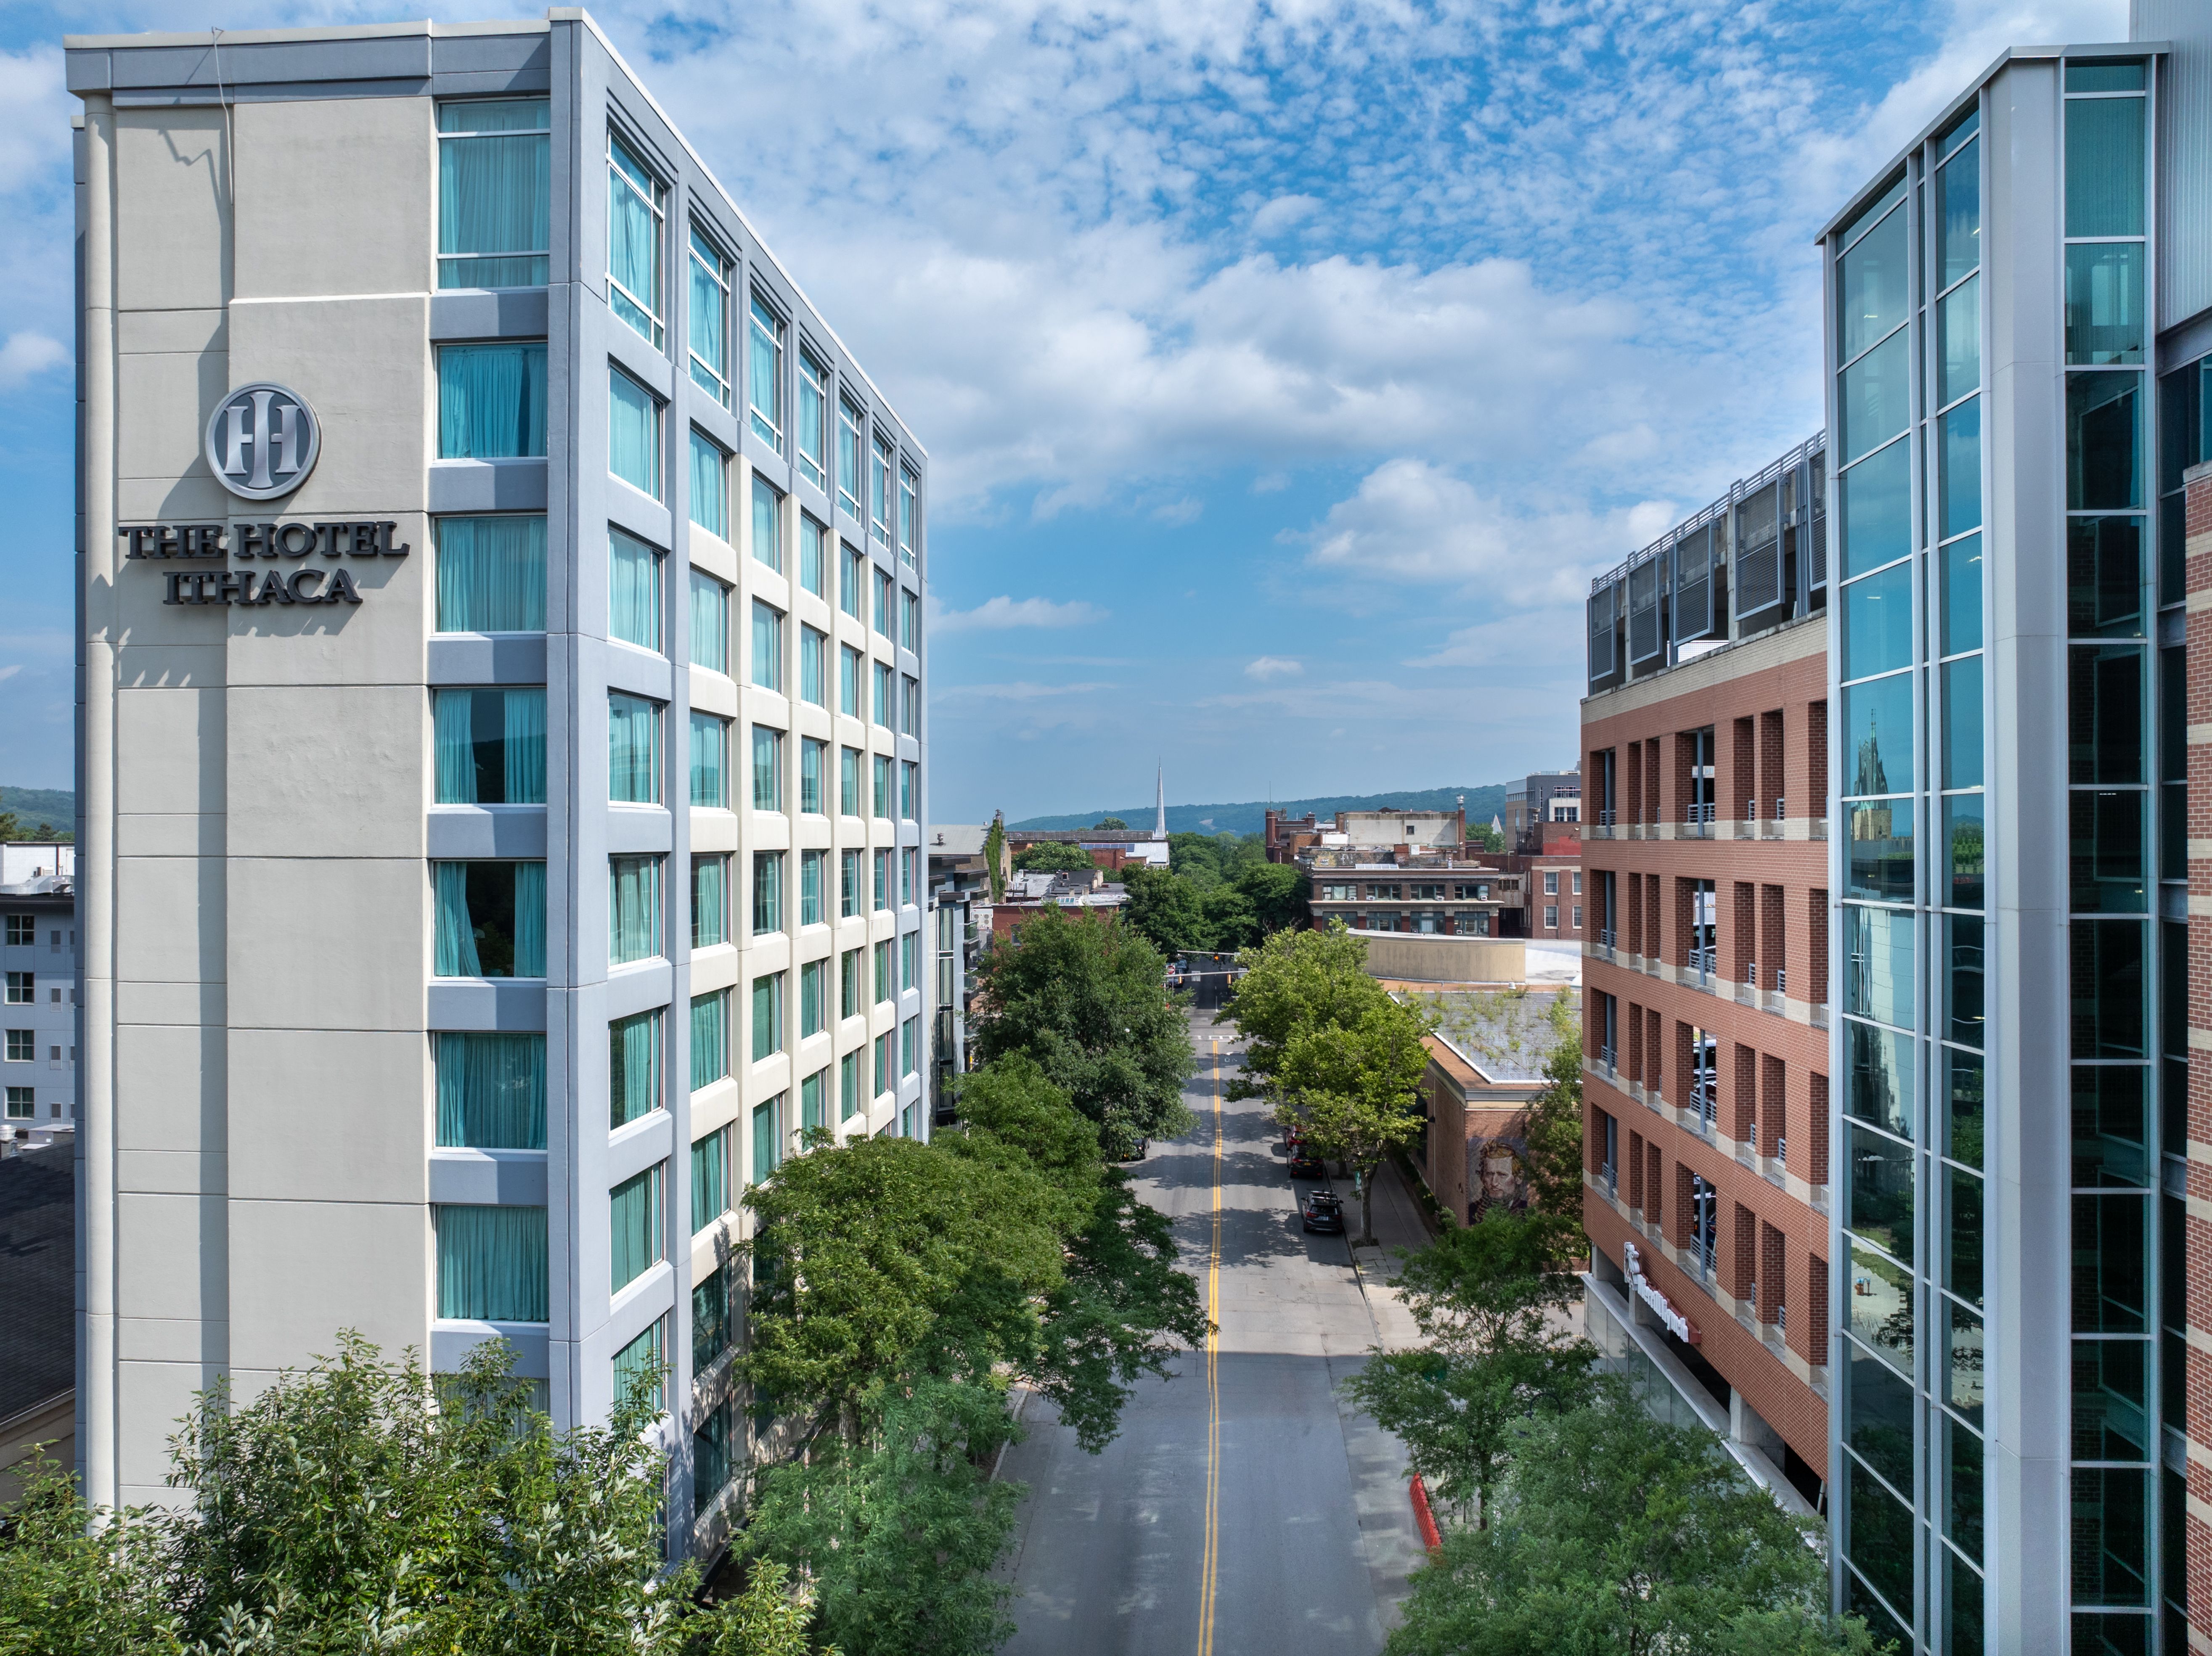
(1286, 369)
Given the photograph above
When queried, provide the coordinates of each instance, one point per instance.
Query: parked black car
(1323, 1210)
(1304, 1164)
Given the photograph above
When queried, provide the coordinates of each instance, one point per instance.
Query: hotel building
(501, 708)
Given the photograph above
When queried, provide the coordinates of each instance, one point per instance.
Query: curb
(1424, 1518)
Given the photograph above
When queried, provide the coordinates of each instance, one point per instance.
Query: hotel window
(710, 485)
(884, 796)
(813, 873)
(813, 421)
(633, 1068)
(848, 1086)
(909, 619)
(710, 761)
(640, 1367)
(768, 768)
(636, 202)
(710, 1038)
(850, 1000)
(849, 802)
(768, 646)
(633, 750)
(632, 590)
(490, 921)
(908, 509)
(492, 1264)
(768, 893)
(852, 591)
(492, 401)
(909, 959)
(813, 557)
(491, 1091)
(710, 624)
(909, 786)
(634, 1212)
(21, 1104)
(764, 384)
(883, 1058)
(882, 860)
(495, 193)
(849, 884)
(710, 1179)
(884, 693)
(879, 492)
(886, 604)
(713, 1327)
(768, 1016)
(633, 433)
(491, 574)
(22, 1046)
(710, 318)
(910, 1047)
(813, 1105)
(909, 866)
(767, 1137)
(767, 524)
(490, 747)
(813, 666)
(633, 909)
(850, 448)
(848, 680)
(813, 759)
(813, 998)
(710, 900)
(910, 706)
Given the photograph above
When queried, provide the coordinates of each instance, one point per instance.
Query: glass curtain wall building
(446, 934)
(2011, 939)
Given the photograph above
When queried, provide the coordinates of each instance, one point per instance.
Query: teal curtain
(644, 1360)
(633, 1067)
(710, 487)
(633, 750)
(495, 193)
(709, 317)
(633, 433)
(768, 892)
(812, 646)
(710, 878)
(710, 761)
(491, 1091)
(810, 1111)
(491, 402)
(768, 646)
(633, 909)
(768, 1016)
(632, 590)
(811, 983)
(492, 1265)
(529, 919)
(526, 747)
(710, 624)
(453, 719)
(768, 768)
(767, 524)
(813, 556)
(710, 1038)
(810, 887)
(456, 944)
(765, 389)
(710, 1179)
(766, 1140)
(634, 238)
(634, 1225)
(491, 574)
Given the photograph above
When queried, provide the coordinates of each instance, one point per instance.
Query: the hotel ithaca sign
(261, 444)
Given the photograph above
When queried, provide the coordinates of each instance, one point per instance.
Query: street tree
(1277, 892)
(1232, 922)
(1053, 856)
(1616, 1532)
(994, 858)
(1352, 1090)
(1295, 980)
(1164, 907)
(1553, 1137)
(1087, 999)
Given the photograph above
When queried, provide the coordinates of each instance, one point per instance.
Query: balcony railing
(1605, 1056)
(1605, 938)
(1701, 1252)
(1699, 964)
(1611, 1174)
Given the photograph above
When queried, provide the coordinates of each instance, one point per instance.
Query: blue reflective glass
(1878, 623)
(1878, 964)
(1872, 400)
(1878, 735)
(1877, 510)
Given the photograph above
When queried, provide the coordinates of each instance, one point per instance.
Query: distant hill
(1251, 817)
(55, 807)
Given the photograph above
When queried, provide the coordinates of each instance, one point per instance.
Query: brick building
(1706, 1020)
(1549, 860)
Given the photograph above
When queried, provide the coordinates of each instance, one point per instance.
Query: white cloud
(1282, 213)
(1020, 690)
(1268, 667)
(27, 352)
(998, 614)
(1176, 513)
(9, 671)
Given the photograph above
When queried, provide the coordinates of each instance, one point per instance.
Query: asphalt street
(1244, 1507)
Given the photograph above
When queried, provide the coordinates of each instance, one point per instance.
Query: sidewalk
(1399, 1222)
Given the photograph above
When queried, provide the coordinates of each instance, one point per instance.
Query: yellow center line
(1208, 1568)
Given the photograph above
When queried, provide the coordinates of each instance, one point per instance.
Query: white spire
(1160, 813)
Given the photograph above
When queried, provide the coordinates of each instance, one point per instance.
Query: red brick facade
(1720, 776)
(2197, 1413)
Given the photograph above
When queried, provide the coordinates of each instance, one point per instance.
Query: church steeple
(1160, 809)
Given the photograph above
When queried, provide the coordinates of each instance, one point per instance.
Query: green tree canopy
(1053, 856)
(995, 854)
(1087, 999)
(1353, 1089)
(1278, 894)
(1113, 823)
(1164, 907)
(1295, 980)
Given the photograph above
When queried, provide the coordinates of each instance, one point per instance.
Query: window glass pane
(1958, 214)
(2104, 715)
(710, 624)
(1962, 722)
(710, 878)
(768, 892)
(768, 768)
(1962, 979)
(1878, 964)
(1878, 622)
(639, 1366)
(1962, 1073)
(633, 750)
(709, 319)
(2105, 577)
(495, 193)
(768, 646)
(2104, 441)
(710, 1187)
(1878, 866)
(1962, 596)
(1871, 402)
(710, 487)
(1881, 1310)
(491, 574)
(1962, 1250)
(634, 198)
(765, 384)
(2110, 1400)
(633, 909)
(849, 485)
(490, 919)
(2109, 1264)
(1881, 1191)
(711, 1321)
(492, 401)
(635, 1207)
(1881, 1535)
(1878, 1077)
(767, 524)
(1958, 319)
(2106, 844)
(2112, 1125)
(1878, 735)
(1873, 290)
(813, 444)
(1964, 1342)
(491, 1091)
(490, 746)
(633, 433)
(710, 761)
(2105, 168)
(633, 1068)
(768, 1016)
(492, 1264)
(2104, 302)
(768, 1143)
(2108, 988)
(1960, 443)
(634, 590)
(1962, 1524)
(1877, 506)
(710, 1042)
(1878, 1420)
(2111, 1535)
(813, 556)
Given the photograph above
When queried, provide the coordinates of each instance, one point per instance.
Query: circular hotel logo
(263, 441)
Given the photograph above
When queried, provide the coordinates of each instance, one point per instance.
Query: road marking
(1209, 1568)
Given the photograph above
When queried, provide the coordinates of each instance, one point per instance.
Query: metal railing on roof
(1717, 510)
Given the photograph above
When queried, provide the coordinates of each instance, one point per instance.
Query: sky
(1287, 367)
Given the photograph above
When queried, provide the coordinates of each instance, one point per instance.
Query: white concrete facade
(260, 827)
